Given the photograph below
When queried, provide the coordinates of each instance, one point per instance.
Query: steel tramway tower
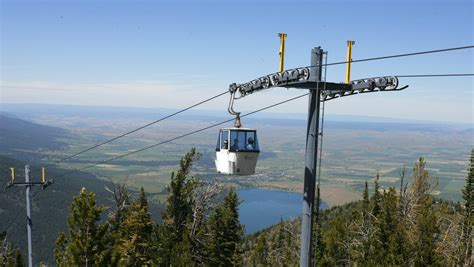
(311, 78)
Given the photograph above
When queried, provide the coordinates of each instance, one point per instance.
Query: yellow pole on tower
(282, 50)
(12, 171)
(349, 59)
(43, 175)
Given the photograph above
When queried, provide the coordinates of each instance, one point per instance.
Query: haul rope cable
(178, 137)
(402, 55)
(137, 129)
(426, 75)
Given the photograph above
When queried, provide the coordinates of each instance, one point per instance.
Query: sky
(175, 53)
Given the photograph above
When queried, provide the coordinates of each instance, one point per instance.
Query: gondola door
(222, 152)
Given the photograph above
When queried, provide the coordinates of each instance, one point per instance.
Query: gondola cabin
(237, 151)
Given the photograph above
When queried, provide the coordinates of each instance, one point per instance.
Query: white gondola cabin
(237, 151)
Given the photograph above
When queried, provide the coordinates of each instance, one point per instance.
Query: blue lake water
(261, 208)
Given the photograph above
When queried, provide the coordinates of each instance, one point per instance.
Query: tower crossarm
(288, 78)
(370, 85)
(304, 78)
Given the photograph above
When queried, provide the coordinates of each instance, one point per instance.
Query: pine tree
(278, 244)
(423, 184)
(260, 252)
(85, 246)
(181, 253)
(376, 197)
(178, 210)
(363, 229)
(428, 233)
(134, 245)
(336, 242)
(366, 223)
(375, 243)
(388, 227)
(226, 233)
(9, 256)
(468, 218)
(402, 240)
(427, 228)
(365, 199)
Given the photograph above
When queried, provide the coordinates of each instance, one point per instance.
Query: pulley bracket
(303, 78)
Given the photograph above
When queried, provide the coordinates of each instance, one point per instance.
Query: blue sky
(174, 53)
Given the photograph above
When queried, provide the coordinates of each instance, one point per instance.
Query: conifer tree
(376, 197)
(365, 198)
(226, 233)
(363, 230)
(278, 243)
(134, 245)
(9, 256)
(428, 233)
(86, 245)
(387, 228)
(403, 242)
(178, 210)
(261, 251)
(468, 218)
(367, 229)
(427, 228)
(375, 243)
(336, 240)
(181, 253)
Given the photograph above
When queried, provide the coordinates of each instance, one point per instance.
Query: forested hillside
(21, 139)
(390, 227)
(196, 229)
(406, 226)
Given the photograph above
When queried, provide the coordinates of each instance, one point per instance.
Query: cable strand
(179, 137)
(399, 55)
(135, 130)
(425, 75)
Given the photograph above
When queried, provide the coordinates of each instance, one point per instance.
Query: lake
(261, 208)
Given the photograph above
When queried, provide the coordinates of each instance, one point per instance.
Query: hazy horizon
(165, 54)
(223, 113)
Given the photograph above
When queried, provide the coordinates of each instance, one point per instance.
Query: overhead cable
(178, 137)
(137, 129)
(402, 55)
(425, 75)
(434, 75)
